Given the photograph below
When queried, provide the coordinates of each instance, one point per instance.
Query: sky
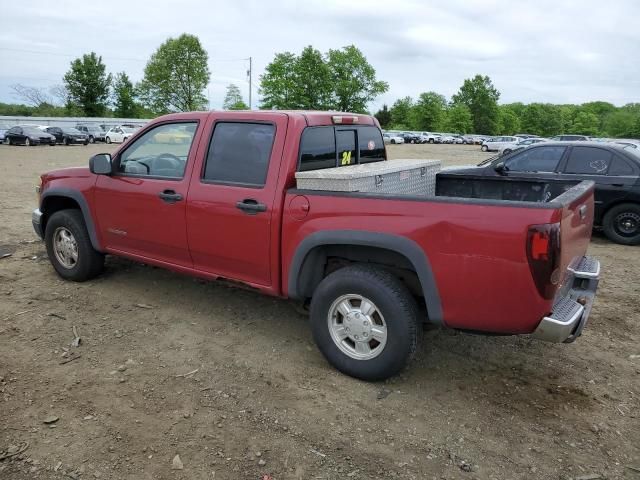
(534, 51)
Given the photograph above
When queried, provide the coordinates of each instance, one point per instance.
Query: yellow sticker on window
(346, 158)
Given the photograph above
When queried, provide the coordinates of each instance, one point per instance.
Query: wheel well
(53, 204)
(326, 259)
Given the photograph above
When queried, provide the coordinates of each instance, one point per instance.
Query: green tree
(509, 120)
(176, 75)
(124, 98)
(567, 115)
(313, 78)
(479, 94)
(400, 112)
(428, 112)
(458, 119)
(585, 123)
(354, 80)
(87, 84)
(621, 123)
(233, 99)
(542, 119)
(278, 84)
(384, 116)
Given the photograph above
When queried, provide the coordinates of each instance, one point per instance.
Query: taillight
(543, 254)
(344, 119)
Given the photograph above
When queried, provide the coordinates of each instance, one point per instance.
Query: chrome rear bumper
(573, 305)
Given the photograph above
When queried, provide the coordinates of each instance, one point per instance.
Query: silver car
(496, 144)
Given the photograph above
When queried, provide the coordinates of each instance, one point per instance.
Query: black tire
(484, 148)
(506, 151)
(396, 305)
(27, 142)
(90, 263)
(91, 139)
(66, 141)
(431, 140)
(621, 224)
(108, 140)
(413, 141)
(393, 142)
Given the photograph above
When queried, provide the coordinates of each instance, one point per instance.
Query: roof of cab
(311, 117)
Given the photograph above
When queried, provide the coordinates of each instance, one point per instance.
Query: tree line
(475, 109)
(177, 74)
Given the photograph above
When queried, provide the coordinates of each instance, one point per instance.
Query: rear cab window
(329, 146)
(588, 161)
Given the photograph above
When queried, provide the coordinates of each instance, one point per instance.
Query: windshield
(128, 130)
(32, 131)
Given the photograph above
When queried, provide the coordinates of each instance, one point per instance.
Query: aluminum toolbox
(399, 177)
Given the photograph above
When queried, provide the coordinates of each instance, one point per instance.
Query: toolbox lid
(368, 169)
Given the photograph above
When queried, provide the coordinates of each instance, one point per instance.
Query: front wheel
(108, 140)
(621, 224)
(92, 140)
(484, 148)
(431, 140)
(393, 142)
(27, 142)
(69, 247)
(365, 322)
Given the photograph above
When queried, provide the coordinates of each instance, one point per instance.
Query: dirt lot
(261, 399)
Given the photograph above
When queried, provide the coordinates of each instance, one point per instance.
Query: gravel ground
(231, 382)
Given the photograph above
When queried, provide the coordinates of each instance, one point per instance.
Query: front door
(230, 206)
(141, 208)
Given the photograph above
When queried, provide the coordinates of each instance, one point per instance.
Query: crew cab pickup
(214, 195)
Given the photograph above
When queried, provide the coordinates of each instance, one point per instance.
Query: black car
(615, 169)
(28, 136)
(410, 137)
(68, 135)
(93, 132)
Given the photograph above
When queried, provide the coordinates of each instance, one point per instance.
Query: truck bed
(473, 234)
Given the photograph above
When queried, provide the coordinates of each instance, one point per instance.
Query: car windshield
(32, 131)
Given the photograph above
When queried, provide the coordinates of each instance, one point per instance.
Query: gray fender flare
(84, 208)
(401, 245)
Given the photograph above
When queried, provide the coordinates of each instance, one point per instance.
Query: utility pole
(249, 74)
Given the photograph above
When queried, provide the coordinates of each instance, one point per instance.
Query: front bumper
(36, 221)
(573, 304)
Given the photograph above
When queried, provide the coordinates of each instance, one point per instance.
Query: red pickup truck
(213, 194)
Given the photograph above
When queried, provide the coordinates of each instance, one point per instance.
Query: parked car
(364, 263)
(3, 129)
(410, 137)
(28, 136)
(428, 137)
(458, 140)
(444, 138)
(468, 139)
(523, 142)
(392, 138)
(93, 132)
(570, 138)
(494, 144)
(634, 144)
(615, 169)
(525, 135)
(68, 135)
(118, 134)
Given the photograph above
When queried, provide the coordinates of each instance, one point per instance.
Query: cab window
(536, 159)
(159, 152)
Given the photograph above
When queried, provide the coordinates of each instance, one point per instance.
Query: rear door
(613, 175)
(231, 198)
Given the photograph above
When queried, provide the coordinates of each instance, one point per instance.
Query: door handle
(251, 206)
(170, 196)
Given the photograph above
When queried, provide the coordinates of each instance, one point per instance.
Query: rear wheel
(108, 140)
(621, 224)
(393, 141)
(365, 322)
(69, 247)
(27, 142)
(91, 139)
(506, 151)
(484, 148)
(66, 141)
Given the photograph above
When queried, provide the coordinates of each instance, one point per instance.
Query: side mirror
(501, 168)
(100, 164)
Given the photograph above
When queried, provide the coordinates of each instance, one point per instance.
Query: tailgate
(576, 224)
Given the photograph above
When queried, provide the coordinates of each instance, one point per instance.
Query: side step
(588, 267)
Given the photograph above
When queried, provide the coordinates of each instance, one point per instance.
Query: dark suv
(93, 132)
(615, 169)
